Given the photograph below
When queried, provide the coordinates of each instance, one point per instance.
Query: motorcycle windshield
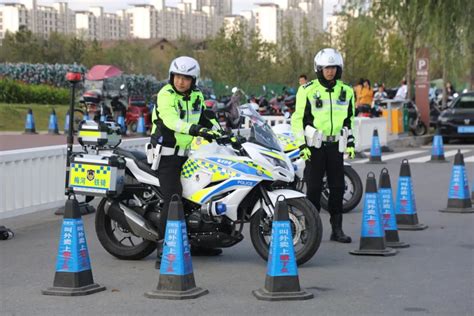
(260, 132)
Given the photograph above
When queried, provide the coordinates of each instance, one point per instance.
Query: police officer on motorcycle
(322, 125)
(178, 117)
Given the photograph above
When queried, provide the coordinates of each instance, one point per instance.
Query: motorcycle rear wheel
(118, 241)
(306, 225)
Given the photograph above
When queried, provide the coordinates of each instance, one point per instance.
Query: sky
(114, 5)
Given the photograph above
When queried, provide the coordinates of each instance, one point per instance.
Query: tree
(94, 54)
(76, 48)
(411, 18)
(450, 33)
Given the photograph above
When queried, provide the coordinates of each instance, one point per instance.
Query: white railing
(33, 179)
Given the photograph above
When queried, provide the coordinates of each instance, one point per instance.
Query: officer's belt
(330, 139)
(170, 151)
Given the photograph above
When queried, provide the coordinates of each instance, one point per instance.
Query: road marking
(447, 154)
(394, 156)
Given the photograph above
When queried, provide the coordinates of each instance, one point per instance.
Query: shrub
(17, 92)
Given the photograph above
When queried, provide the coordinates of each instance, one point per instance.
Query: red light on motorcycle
(209, 103)
(73, 77)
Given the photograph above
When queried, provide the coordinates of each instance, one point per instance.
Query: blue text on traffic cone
(459, 188)
(387, 210)
(371, 222)
(73, 255)
(281, 259)
(176, 258)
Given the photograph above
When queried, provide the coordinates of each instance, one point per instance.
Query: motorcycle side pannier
(102, 135)
(97, 175)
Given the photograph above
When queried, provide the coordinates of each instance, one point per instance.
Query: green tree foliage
(240, 58)
(451, 36)
(411, 19)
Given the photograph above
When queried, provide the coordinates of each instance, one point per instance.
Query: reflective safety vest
(173, 116)
(327, 110)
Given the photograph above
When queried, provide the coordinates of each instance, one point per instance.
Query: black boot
(159, 254)
(201, 251)
(337, 233)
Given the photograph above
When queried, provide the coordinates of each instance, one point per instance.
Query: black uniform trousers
(326, 160)
(169, 174)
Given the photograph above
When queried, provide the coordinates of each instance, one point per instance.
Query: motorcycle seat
(139, 158)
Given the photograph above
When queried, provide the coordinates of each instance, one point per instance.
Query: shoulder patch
(308, 84)
(170, 91)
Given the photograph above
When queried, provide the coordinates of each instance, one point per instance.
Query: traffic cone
(388, 213)
(176, 271)
(73, 270)
(66, 123)
(437, 150)
(121, 122)
(85, 117)
(375, 150)
(281, 282)
(372, 237)
(53, 123)
(459, 200)
(407, 218)
(103, 118)
(30, 123)
(141, 128)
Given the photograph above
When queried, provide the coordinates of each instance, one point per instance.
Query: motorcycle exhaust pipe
(130, 220)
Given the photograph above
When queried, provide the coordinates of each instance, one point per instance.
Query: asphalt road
(434, 276)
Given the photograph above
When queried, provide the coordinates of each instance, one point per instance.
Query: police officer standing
(177, 118)
(322, 125)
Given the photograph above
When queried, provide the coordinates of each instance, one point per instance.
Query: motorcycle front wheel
(306, 228)
(117, 240)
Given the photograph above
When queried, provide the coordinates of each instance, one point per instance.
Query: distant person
(450, 91)
(302, 80)
(380, 94)
(402, 91)
(365, 98)
(357, 89)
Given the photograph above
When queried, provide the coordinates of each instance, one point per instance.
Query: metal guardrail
(33, 179)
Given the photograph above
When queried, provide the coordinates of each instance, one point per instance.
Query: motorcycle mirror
(213, 97)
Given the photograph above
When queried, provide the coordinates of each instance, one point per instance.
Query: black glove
(209, 134)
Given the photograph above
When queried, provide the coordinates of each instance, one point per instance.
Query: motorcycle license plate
(90, 178)
(465, 129)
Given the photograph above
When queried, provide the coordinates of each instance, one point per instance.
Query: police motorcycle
(225, 184)
(353, 189)
(353, 185)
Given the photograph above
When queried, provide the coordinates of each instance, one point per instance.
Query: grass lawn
(12, 116)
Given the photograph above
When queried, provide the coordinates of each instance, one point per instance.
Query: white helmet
(186, 66)
(328, 57)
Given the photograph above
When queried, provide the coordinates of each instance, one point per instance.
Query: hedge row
(17, 92)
